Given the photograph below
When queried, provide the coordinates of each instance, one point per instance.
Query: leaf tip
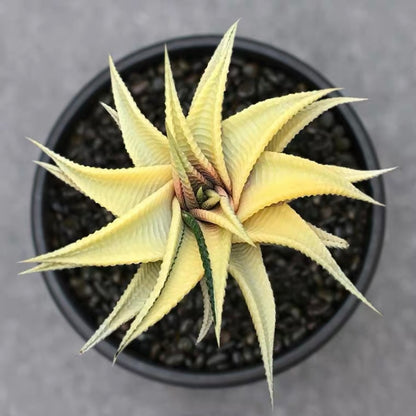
(218, 336)
(32, 141)
(387, 170)
(357, 99)
(235, 24)
(166, 54)
(85, 347)
(380, 204)
(113, 70)
(116, 357)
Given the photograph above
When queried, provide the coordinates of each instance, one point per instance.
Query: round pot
(362, 145)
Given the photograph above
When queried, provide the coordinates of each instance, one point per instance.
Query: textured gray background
(49, 49)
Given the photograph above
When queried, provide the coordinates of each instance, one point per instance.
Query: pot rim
(263, 53)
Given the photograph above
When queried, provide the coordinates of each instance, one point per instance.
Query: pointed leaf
(207, 317)
(205, 114)
(185, 274)
(174, 242)
(247, 268)
(138, 236)
(247, 133)
(117, 190)
(182, 183)
(355, 175)
(281, 225)
(219, 57)
(223, 216)
(57, 172)
(285, 135)
(129, 304)
(144, 143)
(195, 178)
(194, 226)
(112, 112)
(218, 241)
(278, 177)
(330, 240)
(178, 127)
(44, 267)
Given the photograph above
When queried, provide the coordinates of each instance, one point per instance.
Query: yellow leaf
(205, 116)
(281, 225)
(218, 241)
(145, 144)
(185, 274)
(278, 177)
(112, 112)
(247, 133)
(219, 57)
(247, 268)
(178, 127)
(285, 135)
(330, 240)
(182, 183)
(224, 216)
(44, 267)
(355, 175)
(55, 171)
(195, 177)
(138, 236)
(173, 244)
(129, 304)
(117, 190)
(207, 317)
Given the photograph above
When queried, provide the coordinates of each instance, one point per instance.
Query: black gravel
(306, 296)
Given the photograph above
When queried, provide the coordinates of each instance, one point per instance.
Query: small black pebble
(237, 358)
(185, 344)
(251, 70)
(186, 326)
(251, 339)
(246, 89)
(217, 359)
(174, 360)
(248, 355)
(199, 362)
(225, 337)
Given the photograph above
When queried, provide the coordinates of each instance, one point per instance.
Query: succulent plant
(199, 202)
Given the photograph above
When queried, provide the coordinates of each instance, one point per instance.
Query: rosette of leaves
(199, 202)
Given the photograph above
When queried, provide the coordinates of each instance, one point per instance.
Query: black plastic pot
(363, 147)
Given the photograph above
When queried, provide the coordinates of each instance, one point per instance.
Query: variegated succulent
(199, 202)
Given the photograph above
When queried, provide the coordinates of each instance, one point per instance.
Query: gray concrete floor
(49, 49)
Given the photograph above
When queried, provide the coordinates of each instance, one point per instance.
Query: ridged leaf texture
(247, 268)
(144, 143)
(199, 202)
